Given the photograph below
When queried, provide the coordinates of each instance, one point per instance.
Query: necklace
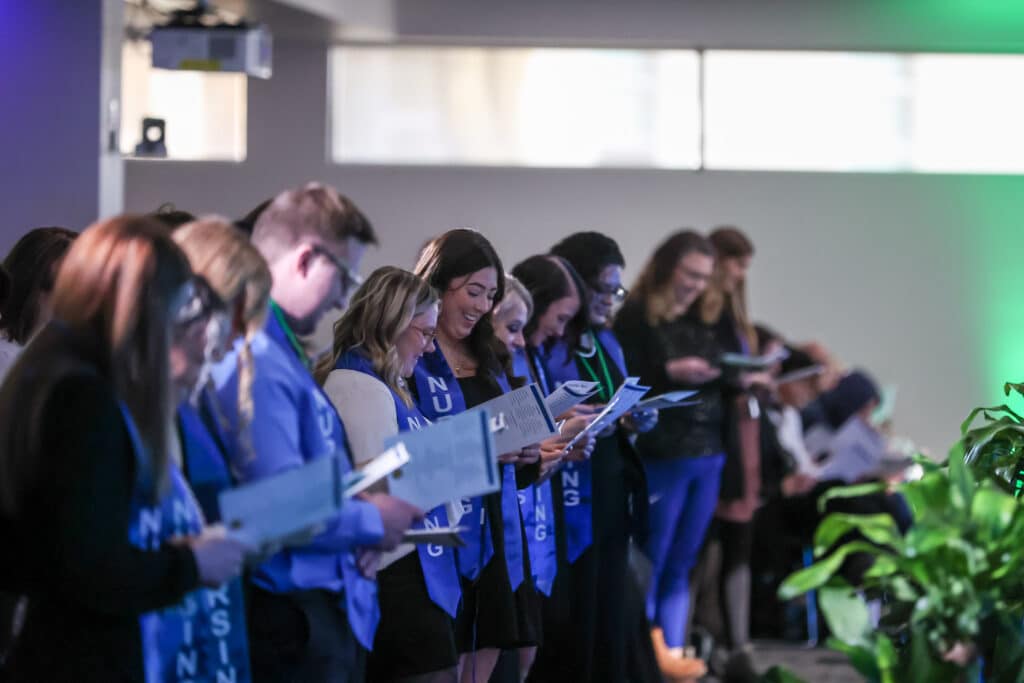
(458, 360)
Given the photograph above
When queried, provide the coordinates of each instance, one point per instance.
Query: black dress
(492, 615)
(591, 614)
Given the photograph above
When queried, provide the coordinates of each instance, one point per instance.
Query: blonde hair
(380, 311)
(514, 286)
(236, 271)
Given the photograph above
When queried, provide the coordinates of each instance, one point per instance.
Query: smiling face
(509, 321)
(417, 339)
(466, 300)
(691, 277)
(551, 323)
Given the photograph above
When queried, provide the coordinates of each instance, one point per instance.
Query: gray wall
(888, 270)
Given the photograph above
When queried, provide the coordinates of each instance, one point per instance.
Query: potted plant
(952, 587)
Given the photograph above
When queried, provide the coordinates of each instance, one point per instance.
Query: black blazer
(68, 550)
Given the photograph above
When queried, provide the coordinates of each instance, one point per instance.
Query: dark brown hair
(32, 265)
(458, 253)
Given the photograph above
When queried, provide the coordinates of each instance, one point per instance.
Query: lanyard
(292, 339)
(605, 389)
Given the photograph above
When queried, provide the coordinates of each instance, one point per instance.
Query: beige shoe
(674, 668)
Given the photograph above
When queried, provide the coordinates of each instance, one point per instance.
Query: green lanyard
(296, 344)
(605, 389)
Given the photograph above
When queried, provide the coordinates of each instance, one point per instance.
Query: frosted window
(515, 106)
(205, 113)
(968, 113)
(807, 111)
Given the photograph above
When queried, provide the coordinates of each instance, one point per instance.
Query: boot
(674, 667)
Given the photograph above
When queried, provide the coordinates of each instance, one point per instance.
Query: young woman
(89, 408)
(671, 349)
(597, 495)
(550, 283)
(390, 323)
(499, 607)
(223, 256)
(32, 266)
(723, 309)
(208, 630)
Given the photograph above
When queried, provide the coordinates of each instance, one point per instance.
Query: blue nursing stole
(577, 487)
(440, 396)
(536, 501)
(438, 563)
(203, 638)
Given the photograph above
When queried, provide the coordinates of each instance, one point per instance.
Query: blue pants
(683, 493)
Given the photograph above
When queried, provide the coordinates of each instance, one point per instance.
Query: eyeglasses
(616, 292)
(349, 278)
(428, 335)
(198, 302)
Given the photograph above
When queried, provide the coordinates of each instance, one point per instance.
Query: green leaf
(820, 572)
(993, 512)
(861, 658)
(1011, 386)
(929, 495)
(880, 529)
(961, 482)
(885, 655)
(854, 491)
(845, 612)
(988, 412)
(924, 539)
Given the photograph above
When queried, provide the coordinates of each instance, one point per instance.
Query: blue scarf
(203, 638)
(536, 501)
(577, 487)
(438, 562)
(440, 396)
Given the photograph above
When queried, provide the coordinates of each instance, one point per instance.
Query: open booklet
(627, 396)
(284, 506)
(523, 418)
(742, 361)
(569, 395)
(670, 399)
(451, 459)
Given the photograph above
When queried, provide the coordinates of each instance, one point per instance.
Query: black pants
(302, 637)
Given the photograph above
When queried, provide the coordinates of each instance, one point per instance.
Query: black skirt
(415, 636)
(492, 615)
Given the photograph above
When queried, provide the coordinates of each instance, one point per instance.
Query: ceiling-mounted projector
(190, 42)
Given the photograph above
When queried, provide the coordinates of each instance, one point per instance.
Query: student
(223, 257)
(389, 325)
(604, 502)
(312, 613)
(88, 412)
(723, 309)
(558, 303)
(467, 369)
(682, 455)
(32, 265)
